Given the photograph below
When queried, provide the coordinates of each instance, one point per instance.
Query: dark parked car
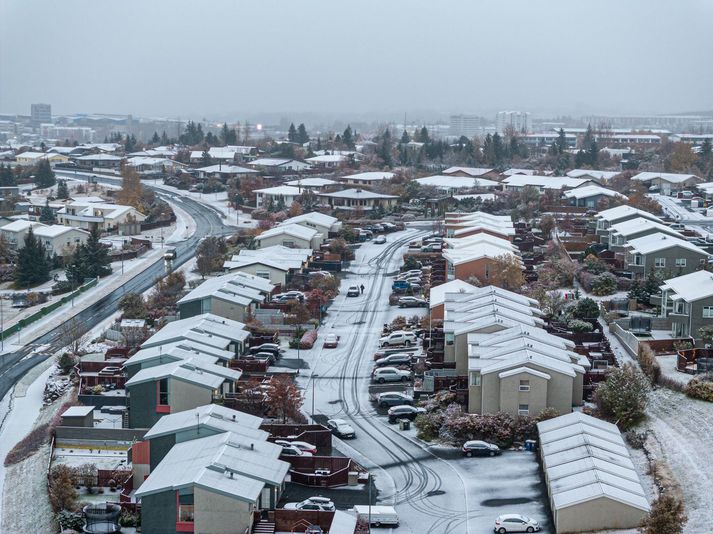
(393, 398)
(412, 302)
(272, 348)
(394, 359)
(404, 412)
(480, 448)
(341, 428)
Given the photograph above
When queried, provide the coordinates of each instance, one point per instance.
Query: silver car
(515, 523)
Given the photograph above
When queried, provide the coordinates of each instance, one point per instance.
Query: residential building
(517, 121)
(57, 239)
(621, 233)
(175, 386)
(208, 333)
(590, 174)
(323, 223)
(465, 125)
(456, 183)
(437, 296)
(520, 181)
(312, 184)
(663, 254)
(233, 296)
(107, 218)
(667, 183)
(279, 165)
(222, 171)
(212, 484)
(174, 352)
(276, 263)
(472, 172)
(464, 225)
(688, 301)
(358, 199)
(291, 236)
(99, 161)
(476, 256)
(328, 161)
(33, 158)
(148, 165)
(591, 481)
(589, 196)
(226, 154)
(607, 218)
(366, 179)
(281, 194)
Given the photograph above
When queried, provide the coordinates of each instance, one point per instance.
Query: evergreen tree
(302, 135)
(62, 189)
(44, 175)
(33, 266)
(292, 133)
(225, 134)
(206, 159)
(489, 150)
(211, 139)
(319, 143)
(348, 137)
(46, 214)
(384, 151)
(96, 256)
(130, 143)
(498, 149)
(164, 138)
(7, 177)
(76, 269)
(405, 138)
(561, 142)
(424, 137)
(155, 139)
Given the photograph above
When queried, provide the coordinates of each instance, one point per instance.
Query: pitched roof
(599, 175)
(438, 293)
(373, 176)
(213, 416)
(665, 176)
(294, 230)
(194, 371)
(690, 287)
(640, 224)
(356, 194)
(314, 217)
(455, 182)
(619, 212)
(546, 182)
(471, 171)
(311, 182)
(206, 329)
(591, 191)
(239, 288)
(660, 241)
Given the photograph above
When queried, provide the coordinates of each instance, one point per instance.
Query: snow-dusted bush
(649, 365)
(667, 515)
(700, 387)
(623, 396)
(70, 520)
(577, 325)
(604, 284)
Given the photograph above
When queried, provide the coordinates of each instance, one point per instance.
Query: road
(434, 489)
(208, 222)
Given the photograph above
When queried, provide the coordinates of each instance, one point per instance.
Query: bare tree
(73, 334)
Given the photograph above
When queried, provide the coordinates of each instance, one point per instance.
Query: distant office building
(80, 134)
(467, 125)
(41, 113)
(519, 121)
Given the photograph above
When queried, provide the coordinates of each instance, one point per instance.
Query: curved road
(208, 222)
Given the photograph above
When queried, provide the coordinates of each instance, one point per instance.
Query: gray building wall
(191, 309)
(693, 262)
(281, 239)
(158, 449)
(186, 396)
(142, 405)
(598, 514)
(158, 513)
(219, 514)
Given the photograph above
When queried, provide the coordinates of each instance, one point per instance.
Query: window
(660, 262)
(523, 409)
(263, 274)
(679, 307)
(638, 260)
(288, 244)
(524, 385)
(708, 312)
(185, 512)
(680, 262)
(163, 392)
(474, 379)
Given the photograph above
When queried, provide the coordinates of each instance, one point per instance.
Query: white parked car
(313, 503)
(341, 428)
(291, 450)
(398, 338)
(379, 240)
(515, 523)
(390, 374)
(301, 445)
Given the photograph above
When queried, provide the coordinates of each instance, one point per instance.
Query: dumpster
(530, 444)
(404, 424)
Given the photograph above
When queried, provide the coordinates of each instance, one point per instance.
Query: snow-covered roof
(226, 169)
(484, 250)
(467, 227)
(599, 175)
(475, 240)
(455, 182)
(521, 332)
(585, 459)
(592, 191)
(284, 190)
(546, 182)
(514, 172)
(520, 358)
(327, 158)
(99, 157)
(206, 329)
(78, 411)
(438, 293)
(659, 241)
(456, 300)
(314, 217)
(276, 251)
(311, 182)
(619, 212)
(294, 230)
(277, 162)
(194, 371)
(672, 178)
(21, 225)
(372, 176)
(356, 194)
(690, 287)
(640, 224)
(144, 160)
(470, 171)
(223, 463)
(238, 288)
(214, 416)
(55, 230)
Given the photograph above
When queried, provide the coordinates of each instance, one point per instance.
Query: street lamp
(312, 378)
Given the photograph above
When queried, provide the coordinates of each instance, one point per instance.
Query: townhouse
(223, 172)
(280, 194)
(233, 296)
(459, 225)
(324, 224)
(104, 217)
(358, 199)
(476, 255)
(621, 233)
(312, 183)
(279, 165)
(664, 254)
(275, 263)
(590, 174)
(688, 303)
(57, 239)
(589, 196)
(437, 296)
(607, 218)
(541, 183)
(366, 179)
(472, 172)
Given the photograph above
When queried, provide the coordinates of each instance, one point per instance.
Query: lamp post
(313, 377)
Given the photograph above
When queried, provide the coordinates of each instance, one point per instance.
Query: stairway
(264, 527)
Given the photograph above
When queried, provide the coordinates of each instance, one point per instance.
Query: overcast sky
(237, 58)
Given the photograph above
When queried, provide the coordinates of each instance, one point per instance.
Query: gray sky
(234, 59)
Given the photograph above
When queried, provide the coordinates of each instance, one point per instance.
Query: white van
(380, 515)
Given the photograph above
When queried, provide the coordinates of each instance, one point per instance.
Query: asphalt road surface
(208, 222)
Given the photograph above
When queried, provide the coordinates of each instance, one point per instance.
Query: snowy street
(435, 489)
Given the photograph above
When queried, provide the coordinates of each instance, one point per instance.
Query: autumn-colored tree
(683, 158)
(639, 200)
(132, 306)
(210, 255)
(547, 224)
(297, 313)
(295, 209)
(506, 272)
(284, 399)
(167, 291)
(667, 515)
(131, 188)
(62, 494)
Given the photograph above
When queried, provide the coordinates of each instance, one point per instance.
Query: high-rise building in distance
(41, 113)
(519, 121)
(468, 125)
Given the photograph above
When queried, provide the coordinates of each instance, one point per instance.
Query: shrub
(308, 339)
(649, 365)
(700, 387)
(577, 325)
(667, 515)
(70, 520)
(623, 396)
(604, 284)
(586, 308)
(623, 283)
(62, 494)
(28, 445)
(682, 345)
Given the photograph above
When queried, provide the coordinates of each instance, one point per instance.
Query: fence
(45, 310)
(628, 340)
